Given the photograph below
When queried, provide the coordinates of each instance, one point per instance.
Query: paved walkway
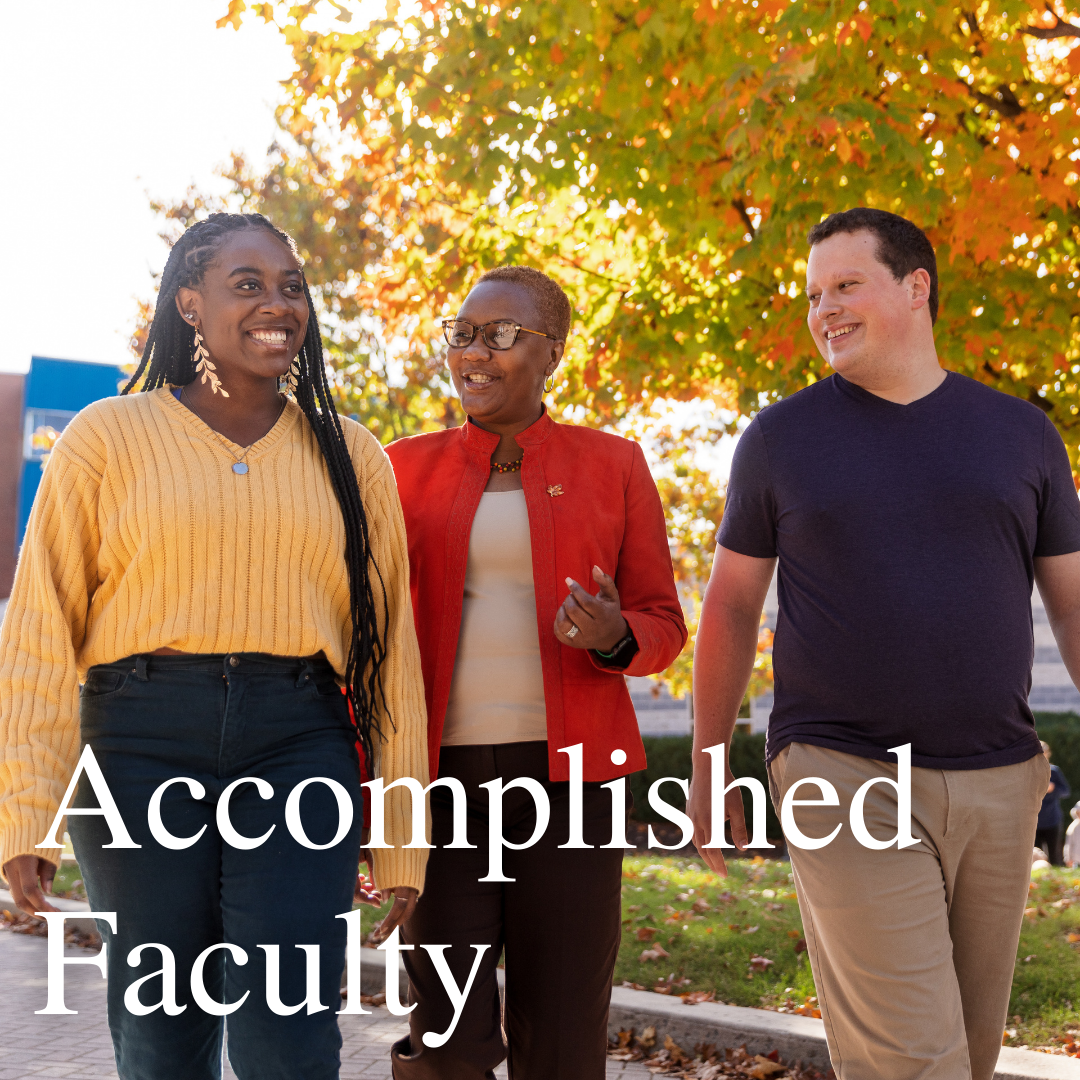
(79, 1048)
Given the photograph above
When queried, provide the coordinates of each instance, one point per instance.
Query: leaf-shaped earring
(205, 367)
(292, 379)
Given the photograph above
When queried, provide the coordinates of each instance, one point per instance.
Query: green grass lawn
(68, 881)
(737, 938)
(717, 936)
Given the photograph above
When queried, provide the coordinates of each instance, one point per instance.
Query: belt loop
(140, 668)
(303, 676)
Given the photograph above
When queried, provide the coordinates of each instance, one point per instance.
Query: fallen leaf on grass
(701, 905)
(696, 997)
(647, 933)
(760, 963)
(657, 952)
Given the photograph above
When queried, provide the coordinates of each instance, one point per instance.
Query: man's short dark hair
(902, 246)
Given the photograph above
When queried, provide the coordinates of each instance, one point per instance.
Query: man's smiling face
(860, 315)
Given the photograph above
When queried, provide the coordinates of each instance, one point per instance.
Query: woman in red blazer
(506, 516)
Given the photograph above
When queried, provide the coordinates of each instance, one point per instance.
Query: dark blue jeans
(216, 719)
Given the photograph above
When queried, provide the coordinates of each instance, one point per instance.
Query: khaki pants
(913, 951)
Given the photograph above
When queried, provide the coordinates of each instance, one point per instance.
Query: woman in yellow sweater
(210, 559)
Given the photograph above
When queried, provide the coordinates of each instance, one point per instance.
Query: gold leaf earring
(292, 379)
(205, 367)
(549, 380)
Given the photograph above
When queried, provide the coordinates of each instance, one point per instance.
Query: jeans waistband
(247, 663)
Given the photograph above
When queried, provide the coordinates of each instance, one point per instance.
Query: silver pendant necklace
(239, 466)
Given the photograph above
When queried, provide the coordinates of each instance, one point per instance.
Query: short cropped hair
(901, 245)
(552, 304)
(1045, 746)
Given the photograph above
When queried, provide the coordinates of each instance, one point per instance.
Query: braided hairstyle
(169, 358)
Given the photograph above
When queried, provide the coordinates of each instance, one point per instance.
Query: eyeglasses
(499, 336)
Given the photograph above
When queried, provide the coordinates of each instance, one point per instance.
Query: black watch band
(619, 646)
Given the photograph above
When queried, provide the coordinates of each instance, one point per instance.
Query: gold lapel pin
(554, 489)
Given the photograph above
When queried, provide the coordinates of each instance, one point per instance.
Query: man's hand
(699, 809)
(598, 619)
(23, 874)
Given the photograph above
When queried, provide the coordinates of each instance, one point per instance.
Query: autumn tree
(664, 161)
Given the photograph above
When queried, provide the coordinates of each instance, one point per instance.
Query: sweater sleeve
(401, 747)
(42, 631)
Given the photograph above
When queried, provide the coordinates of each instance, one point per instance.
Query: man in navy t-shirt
(910, 510)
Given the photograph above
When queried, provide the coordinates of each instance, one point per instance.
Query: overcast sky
(102, 104)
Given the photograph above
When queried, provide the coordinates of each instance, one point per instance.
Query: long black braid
(169, 358)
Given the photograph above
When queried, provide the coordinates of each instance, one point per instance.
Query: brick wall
(11, 399)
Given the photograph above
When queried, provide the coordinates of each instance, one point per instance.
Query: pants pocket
(775, 770)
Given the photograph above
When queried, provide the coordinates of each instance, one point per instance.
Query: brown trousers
(558, 922)
(913, 950)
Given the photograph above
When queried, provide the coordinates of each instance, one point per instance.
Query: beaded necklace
(509, 466)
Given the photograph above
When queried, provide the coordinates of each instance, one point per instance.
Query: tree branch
(1002, 99)
(1060, 29)
(741, 207)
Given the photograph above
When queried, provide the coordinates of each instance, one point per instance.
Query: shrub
(1062, 732)
(669, 755)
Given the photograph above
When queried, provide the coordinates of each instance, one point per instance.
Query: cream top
(497, 695)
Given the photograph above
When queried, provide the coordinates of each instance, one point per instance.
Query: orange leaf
(236, 8)
(642, 17)
(864, 26)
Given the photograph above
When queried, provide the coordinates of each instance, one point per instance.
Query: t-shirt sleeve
(1059, 507)
(749, 523)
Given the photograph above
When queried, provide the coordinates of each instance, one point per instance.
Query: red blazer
(591, 500)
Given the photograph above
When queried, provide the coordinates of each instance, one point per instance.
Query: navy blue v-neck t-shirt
(905, 536)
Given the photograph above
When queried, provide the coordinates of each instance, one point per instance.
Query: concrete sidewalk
(79, 1047)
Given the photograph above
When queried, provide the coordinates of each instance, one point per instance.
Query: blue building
(54, 391)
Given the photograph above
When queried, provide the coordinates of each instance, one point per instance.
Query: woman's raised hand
(599, 619)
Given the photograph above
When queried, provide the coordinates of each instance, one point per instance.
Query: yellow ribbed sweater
(142, 536)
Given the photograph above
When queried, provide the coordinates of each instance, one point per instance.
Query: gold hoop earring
(205, 367)
(550, 379)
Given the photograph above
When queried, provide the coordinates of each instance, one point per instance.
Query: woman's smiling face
(250, 305)
(503, 389)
